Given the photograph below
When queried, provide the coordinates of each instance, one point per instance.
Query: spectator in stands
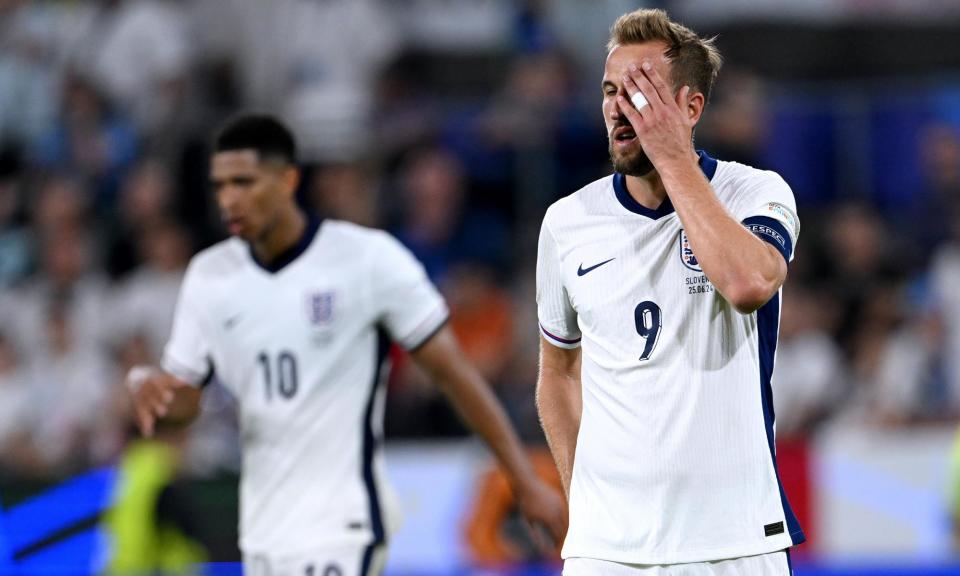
(15, 454)
(88, 140)
(61, 202)
(934, 210)
(897, 375)
(319, 77)
(437, 226)
(14, 235)
(148, 296)
(67, 267)
(860, 265)
(811, 378)
(72, 420)
(581, 31)
(139, 52)
(57, 319)
(407, 112)
(346, 191)
(532, 134)
(481, 316)
(737, 128)
(146, 199)
(945, 300)
(28, 75)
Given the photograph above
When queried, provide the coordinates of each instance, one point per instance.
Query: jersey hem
(324, 543)
(727, 553)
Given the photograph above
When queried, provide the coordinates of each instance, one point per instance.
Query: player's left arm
(479, 408)
(413, 313)
(746, 270)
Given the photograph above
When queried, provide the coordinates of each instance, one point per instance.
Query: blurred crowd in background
(452, 125)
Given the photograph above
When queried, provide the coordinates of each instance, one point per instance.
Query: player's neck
(285, 234)
(647, 190)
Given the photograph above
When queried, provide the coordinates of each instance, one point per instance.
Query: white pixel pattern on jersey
(301, 349)
(674, 458)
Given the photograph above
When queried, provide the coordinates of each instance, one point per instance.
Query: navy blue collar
(293, 252)
(707, 164)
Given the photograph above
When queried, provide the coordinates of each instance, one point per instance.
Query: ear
(693, 106)
(291, 179)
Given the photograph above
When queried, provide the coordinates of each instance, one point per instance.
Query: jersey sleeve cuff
(426, 329)
(195, 378)
(559, 341)
(773, 232)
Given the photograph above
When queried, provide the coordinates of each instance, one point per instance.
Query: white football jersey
(675, 456)
(301, 345)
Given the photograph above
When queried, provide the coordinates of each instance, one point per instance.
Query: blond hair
(694, 61)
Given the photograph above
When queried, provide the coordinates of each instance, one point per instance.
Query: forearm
(476, 404)
(472, 397)
(480, 410)
(743, 268)
(560, 406)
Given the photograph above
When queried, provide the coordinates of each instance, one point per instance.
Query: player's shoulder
(593, 199)
(351, 230)
(740, 177)
(357, 238)
(372, 251)
(219, 259)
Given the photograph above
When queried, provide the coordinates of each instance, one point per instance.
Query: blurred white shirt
(314, 63)
(809, 379)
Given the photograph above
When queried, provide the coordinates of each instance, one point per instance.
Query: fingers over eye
(648, 90)
(628, 110)
(656, 82)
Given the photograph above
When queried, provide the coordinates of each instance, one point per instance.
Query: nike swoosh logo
(581, 271)
(231, 322)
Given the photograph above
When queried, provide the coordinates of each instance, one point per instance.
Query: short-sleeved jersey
(675, 455)
(301, 345)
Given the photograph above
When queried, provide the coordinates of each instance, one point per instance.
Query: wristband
(138, 375)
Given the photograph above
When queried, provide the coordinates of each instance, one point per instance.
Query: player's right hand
(545, 511)
(154, 392)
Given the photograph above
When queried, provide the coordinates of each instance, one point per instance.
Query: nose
(615, 112)
(228, 197)
(615, 118)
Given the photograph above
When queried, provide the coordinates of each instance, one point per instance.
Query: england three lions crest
(687, 256)
(320, 308)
